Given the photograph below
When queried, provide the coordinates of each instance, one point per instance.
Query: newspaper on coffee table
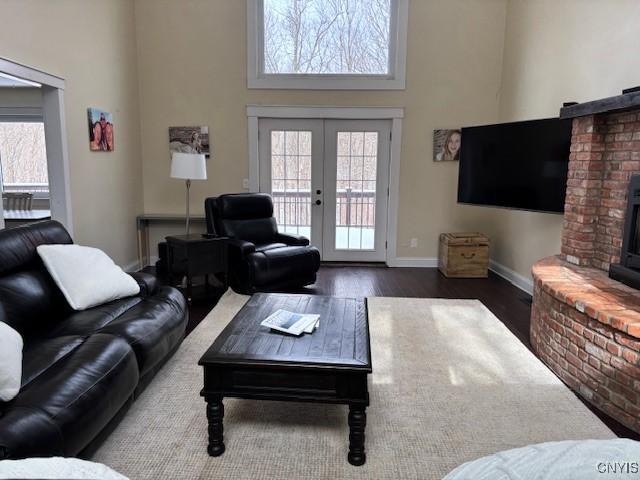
(291, 322)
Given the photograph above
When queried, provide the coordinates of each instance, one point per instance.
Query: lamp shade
(190, 166)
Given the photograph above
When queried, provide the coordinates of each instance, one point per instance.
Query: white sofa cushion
(566, 460)
(56, 468)
(10, 362)
(86, 276)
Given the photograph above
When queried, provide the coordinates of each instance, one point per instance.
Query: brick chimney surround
(584, 325)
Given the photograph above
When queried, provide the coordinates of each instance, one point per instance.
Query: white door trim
(30, 74)
(55, 132)
(255, 112)
(310, 111)
(394, 192)
(53, 112)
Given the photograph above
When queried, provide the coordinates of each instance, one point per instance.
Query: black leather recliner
(260, 258)
(80, 369)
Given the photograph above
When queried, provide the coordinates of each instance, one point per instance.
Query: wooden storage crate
(464, 255)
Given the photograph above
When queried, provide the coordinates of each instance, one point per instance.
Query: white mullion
(284, 176)
(362, 195)
(296, 210)
(349, 190)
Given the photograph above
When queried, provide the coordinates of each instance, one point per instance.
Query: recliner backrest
(29, 298)
(246, 216)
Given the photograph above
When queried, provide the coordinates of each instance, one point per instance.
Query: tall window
(23, 157)
(337, 44)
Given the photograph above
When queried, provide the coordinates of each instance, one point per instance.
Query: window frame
(395, 80)
(24, 115)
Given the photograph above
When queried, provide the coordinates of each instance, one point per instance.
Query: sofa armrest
(291, 239)
(240, 246)
(148, 283)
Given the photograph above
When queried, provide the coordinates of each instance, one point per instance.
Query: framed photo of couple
(101, 138)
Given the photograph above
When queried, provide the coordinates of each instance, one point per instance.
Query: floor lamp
(188, 166)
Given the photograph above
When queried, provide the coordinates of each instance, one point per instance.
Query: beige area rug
(450, 384)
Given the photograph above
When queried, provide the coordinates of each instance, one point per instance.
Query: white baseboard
(419, 262)
(523, 283)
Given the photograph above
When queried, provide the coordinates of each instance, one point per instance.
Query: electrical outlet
(413, 243)
(245, 183)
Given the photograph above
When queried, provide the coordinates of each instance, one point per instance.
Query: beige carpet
(450, 384)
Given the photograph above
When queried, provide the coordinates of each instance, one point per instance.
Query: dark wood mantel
(619, 103)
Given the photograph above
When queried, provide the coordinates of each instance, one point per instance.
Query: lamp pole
(188, 182)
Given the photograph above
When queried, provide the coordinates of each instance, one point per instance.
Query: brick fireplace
(605, 152)
(584, 325)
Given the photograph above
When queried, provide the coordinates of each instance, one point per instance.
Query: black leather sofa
(260, 258)
(80, 369)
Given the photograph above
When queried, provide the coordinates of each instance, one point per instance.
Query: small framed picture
(189, 140)
(101, 137)
(446, 145)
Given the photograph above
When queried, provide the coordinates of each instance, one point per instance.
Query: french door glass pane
(291, 180)
(356, 190)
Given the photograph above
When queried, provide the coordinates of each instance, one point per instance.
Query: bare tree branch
(327, 36)
(22, 153)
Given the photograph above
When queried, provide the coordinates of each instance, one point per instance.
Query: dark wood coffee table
(328, 366)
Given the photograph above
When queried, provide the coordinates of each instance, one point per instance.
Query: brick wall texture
(585, 326)
(597, 361)
(605, 152)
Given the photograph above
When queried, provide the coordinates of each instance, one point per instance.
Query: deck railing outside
(26, 187)
(353, 208)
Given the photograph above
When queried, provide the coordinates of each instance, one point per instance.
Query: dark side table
(194, 255)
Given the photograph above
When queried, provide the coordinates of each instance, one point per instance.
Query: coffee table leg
(357, 424)
(215, 414)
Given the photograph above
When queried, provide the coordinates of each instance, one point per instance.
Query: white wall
(469, 62)
(557, 51)
(92, 45)
(196, 75)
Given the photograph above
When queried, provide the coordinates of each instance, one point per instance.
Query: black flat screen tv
(521, 165)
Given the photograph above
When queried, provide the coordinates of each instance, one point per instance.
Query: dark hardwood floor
(508, 303)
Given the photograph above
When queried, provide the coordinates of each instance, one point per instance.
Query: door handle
(318, 202)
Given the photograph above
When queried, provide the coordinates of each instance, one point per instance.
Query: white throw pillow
(86, 276)
(10, 362)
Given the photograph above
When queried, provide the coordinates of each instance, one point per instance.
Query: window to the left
(23, 158)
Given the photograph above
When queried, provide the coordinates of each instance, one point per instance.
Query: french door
(329, 181)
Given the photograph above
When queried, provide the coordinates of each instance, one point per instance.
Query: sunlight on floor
(476, 351)
(383, 368)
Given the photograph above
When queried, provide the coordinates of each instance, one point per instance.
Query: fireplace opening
(635, 249)
(628, 270)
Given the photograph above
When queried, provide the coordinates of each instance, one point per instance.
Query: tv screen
(519, 165)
